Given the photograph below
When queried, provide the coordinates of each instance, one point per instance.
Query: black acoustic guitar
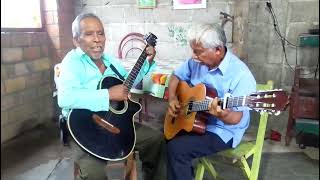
(110, 135)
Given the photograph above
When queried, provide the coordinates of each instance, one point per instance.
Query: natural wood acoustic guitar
(194, 101)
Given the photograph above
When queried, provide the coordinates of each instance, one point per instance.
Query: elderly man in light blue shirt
(215, 66)
(80, 73)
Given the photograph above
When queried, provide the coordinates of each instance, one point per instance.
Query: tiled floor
(35, 154)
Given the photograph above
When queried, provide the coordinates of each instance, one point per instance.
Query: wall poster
(189, 4)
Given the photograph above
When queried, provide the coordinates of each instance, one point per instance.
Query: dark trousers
(151, 146)
(182, 149)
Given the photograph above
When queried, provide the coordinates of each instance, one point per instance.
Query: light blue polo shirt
(79, 77)
(231, 76)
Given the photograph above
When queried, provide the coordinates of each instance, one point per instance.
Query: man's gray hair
(76, 31)
(209, 35)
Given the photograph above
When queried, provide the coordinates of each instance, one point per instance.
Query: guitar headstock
(271, 101)
(151, 39)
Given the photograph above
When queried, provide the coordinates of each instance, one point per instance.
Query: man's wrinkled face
(92, 38)
(207, 56)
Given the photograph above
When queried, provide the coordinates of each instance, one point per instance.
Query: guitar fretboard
(135, 70)
(231, 102)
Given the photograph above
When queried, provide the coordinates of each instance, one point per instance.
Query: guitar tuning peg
(277, 113)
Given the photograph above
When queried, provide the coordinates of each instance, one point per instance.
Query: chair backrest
(133, 36)
(56, 70)
(260, 134)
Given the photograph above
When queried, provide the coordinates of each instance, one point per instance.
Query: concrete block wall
(169, 25)
(27, 61)
(265, 55)
(26, 96)
(251, 36)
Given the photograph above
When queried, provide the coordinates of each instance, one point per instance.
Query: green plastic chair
(239, 155)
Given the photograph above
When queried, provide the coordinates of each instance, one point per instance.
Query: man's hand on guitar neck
(151, 51)
(226, 115)
(216, 110)
(118, 93)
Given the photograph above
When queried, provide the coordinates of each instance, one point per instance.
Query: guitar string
(203, 105)
(138, 64)
(135, 70)
(129, 79)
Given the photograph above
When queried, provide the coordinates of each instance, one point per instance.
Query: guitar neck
(223, 103)
(135, 70)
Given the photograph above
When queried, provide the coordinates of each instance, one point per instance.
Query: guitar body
(186, 120)
(99, 141)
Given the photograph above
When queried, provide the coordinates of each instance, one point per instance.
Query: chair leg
(199, 172)
(205, 164)
(244, 167)
(210, 168)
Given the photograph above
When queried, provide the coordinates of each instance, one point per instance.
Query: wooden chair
(239, 155)
(304, 104)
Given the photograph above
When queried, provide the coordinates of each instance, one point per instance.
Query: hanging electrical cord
(284, 40)
(315, 72)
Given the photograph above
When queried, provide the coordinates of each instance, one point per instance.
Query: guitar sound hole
(117, 105)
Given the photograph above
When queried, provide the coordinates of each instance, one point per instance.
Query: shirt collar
(223, 66)
(81, 53)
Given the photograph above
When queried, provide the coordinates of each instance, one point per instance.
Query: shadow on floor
(42, 147)
(276, 166)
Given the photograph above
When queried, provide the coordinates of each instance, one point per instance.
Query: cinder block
(304, 11)
(44, 90)
(31, 52)
(10, 55)
(40, 64)
(10, 101)
(20, 69)
(135, 15)
(20, 39)
(5, 40)
(39, 39)
(110, 15)
(33, 80)
(15, 84)
(30, 94)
